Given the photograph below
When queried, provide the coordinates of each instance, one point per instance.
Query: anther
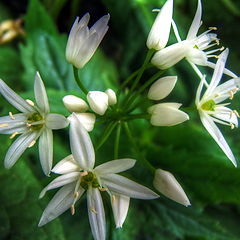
(232, 125)
(231, 93)
(72, 210)
(31, 143)
(212, 28)
(217, 41)
(236, 112)
(13, 135)
(28, 124)
(113, 198)
(30, 102)
(3, 125)
(76, 194)
(222, 48)
(216, 57)
(93, 210)
(11, 116)
(83, 173)
(156, 10)
(102, 189)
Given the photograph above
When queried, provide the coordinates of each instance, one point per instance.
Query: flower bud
(167, 114)
(87, 120)
(159, 34)
(112, 98)
(167, 184)
(98, 101)
(75, 104)
(162, 87)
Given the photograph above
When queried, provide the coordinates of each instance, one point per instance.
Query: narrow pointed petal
(81, 144)
(162, 87)
(114, 166)
(217, 136)
(14, 99)
(120, 205)
(125, 186)
(96, 214)
(192, 33)
(46, 150)
(166, 115)
(167, 184)
(101, 27)
(218, 71)
(18, 147)
(67, 165)
(61, 202)
(169, 56)
(86, 119)
(60, 181)
(40, 94)
(10, 126)
(56, 121)
(159, 34)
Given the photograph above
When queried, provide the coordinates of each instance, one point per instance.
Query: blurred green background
(209, 179)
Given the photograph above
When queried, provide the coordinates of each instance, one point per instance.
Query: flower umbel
(83, 42)
(210, 109)
(34, 122)
(79, 175)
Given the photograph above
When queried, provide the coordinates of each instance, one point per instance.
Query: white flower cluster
(78, 171)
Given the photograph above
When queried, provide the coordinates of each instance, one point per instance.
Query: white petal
(159, 34)
(10, 126)
(15, 99)
(217, 136)
(169, 56)
(192, 33)
(120, 205)
(114, 166)
(125, 186)
(86, 119)
(112, 98)
(81, 144)
(18, 147)
(46, 150)
(61, 202)
(199, 91)
(40, 94)
(162, 87)
(167, 184)
(101, 27)
(67, 165)
(98, 101)
(197, 57)
(156, 106)
(218, 72)
(61, 181)
(75, 104)
(96, 214)
(56, 121)
(166, 115)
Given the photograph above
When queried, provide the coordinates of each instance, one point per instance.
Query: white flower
(79, 175)
(33, 122)
(210, 109)
(159, 34)
(75, 104)
(98, 101)
(165, 114)
(112, 98)
(83, 42)
(167, 184)
(193, 48)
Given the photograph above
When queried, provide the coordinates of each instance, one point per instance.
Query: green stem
(143, 159)
(117, 140)
(107, 132)
(136, 116)
(77, 79)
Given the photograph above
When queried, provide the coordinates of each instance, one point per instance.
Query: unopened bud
(98, 101)
(112, 98)
(75, 104)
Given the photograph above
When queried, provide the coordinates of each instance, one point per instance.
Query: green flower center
(209, 105)
(35, 117)
(89, 179)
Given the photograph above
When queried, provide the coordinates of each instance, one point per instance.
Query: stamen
(217, 41)
(3, 125)
(13, 135)
(72, 210)
(212, 28)
(231, 93)
(32, 144)
(11, 116)
(222, 48)
(76, 194)
(82, 174)
(102, 189)
(28, 124)
(113, 198)
(236, 112)
(156, 10)
(30, 102)
(232, 125)
(93, 210)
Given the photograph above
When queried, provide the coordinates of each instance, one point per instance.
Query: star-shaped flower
(79, 176)
(34, 122)
(212, 110)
